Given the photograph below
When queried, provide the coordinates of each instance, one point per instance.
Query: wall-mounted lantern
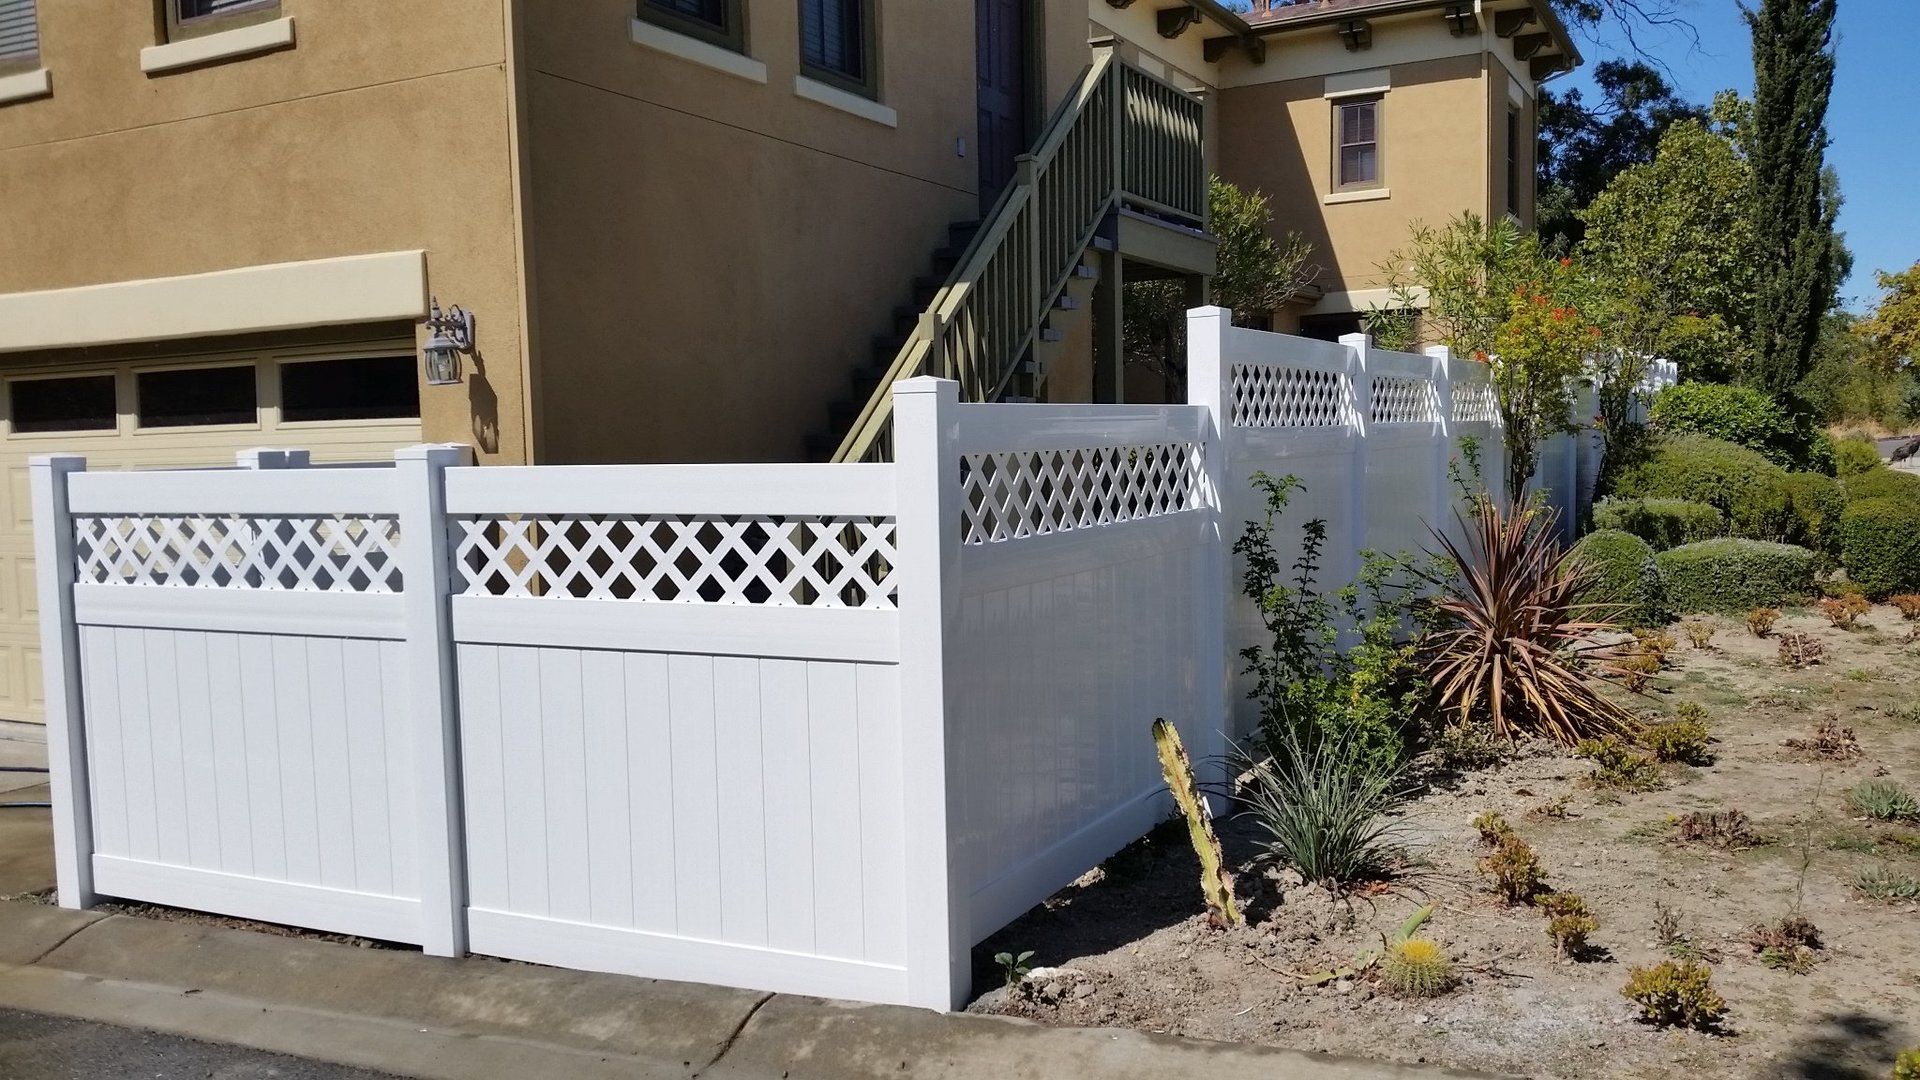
(452, 335)
(1356, 34)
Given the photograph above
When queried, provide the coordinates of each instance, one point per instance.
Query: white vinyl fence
(803, 728)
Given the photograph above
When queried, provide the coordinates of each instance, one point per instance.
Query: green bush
(1736, 414)
(1880, 545)
(1854, 455)
(1739, 482)
(1883, 483)
(1664, 523)
(1628, 586)
(1734, 576)
(1816, 502)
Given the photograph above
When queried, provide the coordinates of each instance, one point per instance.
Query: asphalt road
(35, 1047)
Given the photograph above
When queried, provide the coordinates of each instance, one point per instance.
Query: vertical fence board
(483, 774)
(371, 807)
(228, 751)
(650, 764)
(609, 805)
(260, 725)
(742, 810)
(564, 766)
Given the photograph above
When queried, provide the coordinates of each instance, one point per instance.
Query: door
(1002, 37)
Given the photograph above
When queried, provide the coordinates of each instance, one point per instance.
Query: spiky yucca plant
(1322, 804)
(1509, 644)
(1417, 967)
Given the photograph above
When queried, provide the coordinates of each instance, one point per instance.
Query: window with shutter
(19, 35)
(717, 22)
(194, 18)
(1356, 141)
(837, 43)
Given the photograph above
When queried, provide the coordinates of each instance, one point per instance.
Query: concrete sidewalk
(398, 1011)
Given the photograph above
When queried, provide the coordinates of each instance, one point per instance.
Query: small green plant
(1014, 966)
(1516, 871)
(1887, 885)
(1859, 675)
(1796, 961)
(1676, 994)
(1691, 710)
(1322, 804)
(1684, 741)
(1492, 828)
(1761, 619)
(1619, 766)
(1907, 1066)
(1417, 967)
(1568, 922)
(1883, 800)
(1467, 748)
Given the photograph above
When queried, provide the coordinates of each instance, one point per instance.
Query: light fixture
(1357, 34)
(452, 335)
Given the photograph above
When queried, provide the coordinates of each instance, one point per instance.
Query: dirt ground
(1127, 944)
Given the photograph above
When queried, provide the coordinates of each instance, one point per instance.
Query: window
(1331, 327)
(78, 403)
(195, 18)
(373, 388)
(194, 397)
(836, 43)
(19, 36)
(719, 22)
(1356, 136)
(1513, 161)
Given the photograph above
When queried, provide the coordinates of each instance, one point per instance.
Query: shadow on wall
(1277, 167)
(485, 405)
(1846, 1046)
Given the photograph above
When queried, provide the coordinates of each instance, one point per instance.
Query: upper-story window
(1356, 139)
(837, 44)
(1513, 161)
(19, 36)
(194, 18)
(719, 22)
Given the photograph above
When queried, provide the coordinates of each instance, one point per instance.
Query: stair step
(1066, 302)
(1050, 335)
(1086, 270)
(1102, 243)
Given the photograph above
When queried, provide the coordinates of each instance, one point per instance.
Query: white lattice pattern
(1401, 400)
(338, 553)
(1282, 397)
(1474, 403)
(1016, 494)
(771, 561)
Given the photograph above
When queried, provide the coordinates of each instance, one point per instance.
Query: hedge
(1734, 575)
(1736, 414)
(1816, 502)
(1739, 482)
(1855, 454)
(1883, 483)
(1880, 545)
(1628, 587)
(1663, 523)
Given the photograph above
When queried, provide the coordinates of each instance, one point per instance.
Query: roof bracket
(1528, 46)
(1174, 21)
(1214, 48)
(1461, 19)
(1509, 23)
(1119, 3)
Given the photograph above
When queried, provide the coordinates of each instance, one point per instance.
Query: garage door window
(198, 397)
(363, 388)
(81, 403)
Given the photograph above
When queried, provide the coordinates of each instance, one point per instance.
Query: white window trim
(240, 41)
(25, 85)
(1356, 195)
(835, 98)
(693, 50)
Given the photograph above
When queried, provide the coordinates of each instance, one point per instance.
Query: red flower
(1566, 262)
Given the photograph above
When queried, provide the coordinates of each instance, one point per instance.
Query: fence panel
(679, 713)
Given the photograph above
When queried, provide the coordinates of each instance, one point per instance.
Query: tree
(1584, 146)
(1893, 330)
(1794, 205)
(1464, 275)
(1540, 350)
(1256, 274)
(1632, 17)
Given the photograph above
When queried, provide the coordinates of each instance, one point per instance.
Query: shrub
(1816, 502)
(1741, 483)
(1322, 802)
(1734, 575)
(1683, 740)
(1736, 414)
(1884, 800)
(1880, 545)
(1516, 871)
(1854, 455)
(1619, 765)
(1831, 739)
(1635, 671)
(1761, 619)
(1417, 967)
(1845, 611)
(1627, 587)
(1699, 633)
(1676, 994)
(1467, 747)
(1568, 922)
(1663, 523)
(1907, 604)
(1883, 484)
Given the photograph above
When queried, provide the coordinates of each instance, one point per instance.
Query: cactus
(1216, 884)
(1417, 967)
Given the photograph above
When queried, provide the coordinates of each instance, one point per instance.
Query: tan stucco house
(685, 229)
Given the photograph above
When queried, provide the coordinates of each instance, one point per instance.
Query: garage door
(344, 403)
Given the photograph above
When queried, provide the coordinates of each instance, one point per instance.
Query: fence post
(60, 674)
(1442, 358)
(1360, 380)
(926, 470)
(426, 572)
(1210, 386)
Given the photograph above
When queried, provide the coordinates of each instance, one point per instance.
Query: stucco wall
(385, 128)
(1277, 137)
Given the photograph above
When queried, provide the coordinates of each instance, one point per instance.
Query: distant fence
(805, 728)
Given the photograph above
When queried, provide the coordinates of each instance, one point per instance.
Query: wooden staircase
(1004, 292)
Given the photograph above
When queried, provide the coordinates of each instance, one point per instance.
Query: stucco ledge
(25, 85)
(242, 41)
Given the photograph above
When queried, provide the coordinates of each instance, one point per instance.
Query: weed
(1855, 842)
(1014, 966)
(1886, 884)
(1798, 650)
(1729, 830)
(1699, 633)
(1417, 967)
(1649, 831)
(1830, 740)
(1666, 926)
(1909, 714)
(1672, 994)
(1516, 871)
(1794, 961)
(1684, 741)
(1883, 800)
(1858, 675)
(1620, 767)
(1761, 619)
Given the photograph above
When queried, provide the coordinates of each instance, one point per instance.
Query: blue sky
(1874, 122)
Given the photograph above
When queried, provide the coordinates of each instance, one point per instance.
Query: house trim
(240, 41)
(25, 85)
(693, 50)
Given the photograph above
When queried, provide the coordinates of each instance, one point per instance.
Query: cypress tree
(1794, 210)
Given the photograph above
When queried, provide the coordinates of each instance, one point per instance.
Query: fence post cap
(58, 462)
(1209, 311)
(926, 384)
(459, 452)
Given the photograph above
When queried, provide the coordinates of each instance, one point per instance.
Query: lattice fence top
(339, 553)
(1022, 493)
(1401, 400)
(1475, 403)
(771, 561)
(1265, 396)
